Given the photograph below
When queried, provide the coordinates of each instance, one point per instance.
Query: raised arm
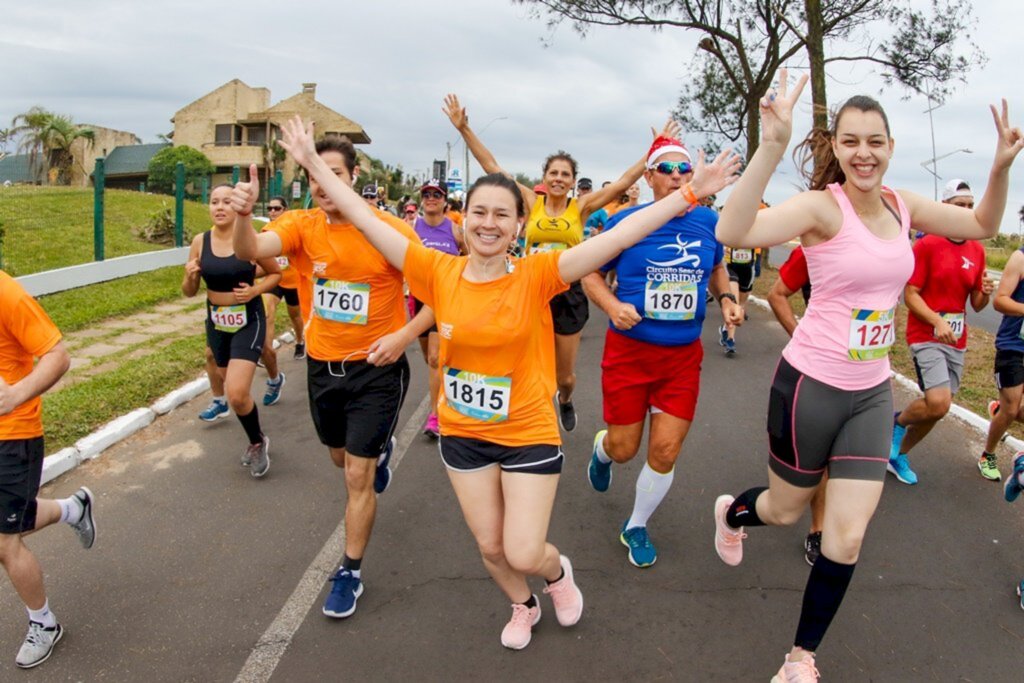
(456, 113)
(297, 140)
(707, 179)
(190, 283)
(248, 244)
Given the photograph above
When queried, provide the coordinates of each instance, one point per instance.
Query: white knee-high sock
(602, 455)
(651, 488)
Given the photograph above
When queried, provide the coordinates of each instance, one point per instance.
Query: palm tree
(61, 134)
(47, 138)
(30, 128)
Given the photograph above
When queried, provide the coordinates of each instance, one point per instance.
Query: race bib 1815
(478, 396)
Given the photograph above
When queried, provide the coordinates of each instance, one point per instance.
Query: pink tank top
(845, 336)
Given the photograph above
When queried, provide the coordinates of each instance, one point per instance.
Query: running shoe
(431, 428)
(641, 551)
(1020, 593)
(803, 671)
(273, 394)
(1015, 482)
(85, 527)
(215, 411)
(38, 645)
(723, 335)
(566, 414)
(993, 408)
(341, 601)
(730, 346)
(258, 455)
(566, 596)
(989, 467)
(728, 541)
(812, 547)
(300, 351)
(599, 473)
(898, 433)
(900, 466)
(519, 629)
(382, 477)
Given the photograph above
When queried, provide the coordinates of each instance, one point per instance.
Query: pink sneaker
(566, 595)
(430, 427)
(797, 672)
(993, 408)
(728, 541)
(519, 629)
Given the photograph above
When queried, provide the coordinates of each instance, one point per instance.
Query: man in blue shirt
(652, 352)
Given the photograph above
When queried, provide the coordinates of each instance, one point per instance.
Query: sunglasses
(432, 194)
(666, 167)
(275, 208)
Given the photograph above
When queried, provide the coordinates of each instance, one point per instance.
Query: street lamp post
(448, 146)
(934, 170)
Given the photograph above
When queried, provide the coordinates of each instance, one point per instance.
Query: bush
(159, 229)
(163, 163)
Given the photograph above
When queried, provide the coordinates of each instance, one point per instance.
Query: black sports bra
(223, 273)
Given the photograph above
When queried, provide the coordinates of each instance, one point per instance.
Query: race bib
(670, 300)
(341, 302)
(742, 256)
(478, 396)
(544, 247)
(872, 333)
(282, 262)
(228, 318)
(956, 322)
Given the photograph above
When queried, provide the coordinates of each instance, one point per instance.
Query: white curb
(60, 462)
(112, 432)
(183, 394)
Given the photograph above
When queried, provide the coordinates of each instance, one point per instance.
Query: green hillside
(52, 227)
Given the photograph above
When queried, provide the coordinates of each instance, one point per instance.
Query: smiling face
(336, 162)
(220, 207)
(559, 178)
(433, 201)
(863, 147)
(492, 221)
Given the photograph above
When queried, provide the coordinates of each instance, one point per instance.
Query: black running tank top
(223, 274)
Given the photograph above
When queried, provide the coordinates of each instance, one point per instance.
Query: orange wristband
(688, 194)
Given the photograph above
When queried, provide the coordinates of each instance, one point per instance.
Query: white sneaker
(85, 528)
(38, 644)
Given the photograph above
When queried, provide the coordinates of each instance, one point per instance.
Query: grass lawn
(52, 227)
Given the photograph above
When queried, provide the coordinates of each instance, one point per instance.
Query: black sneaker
(566, 415)
(812, 547)
(300, 351)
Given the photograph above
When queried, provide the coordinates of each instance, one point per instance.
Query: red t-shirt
(793, 272)
(945, 273)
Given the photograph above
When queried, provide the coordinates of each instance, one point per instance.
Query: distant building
(234, 124)
(17, 169)
(127, 167)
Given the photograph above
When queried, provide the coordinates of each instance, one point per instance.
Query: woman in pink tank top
(830, 406)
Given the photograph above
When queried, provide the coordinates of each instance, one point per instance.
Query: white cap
(957, 187)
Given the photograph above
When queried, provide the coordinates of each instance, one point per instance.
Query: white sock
(602, 456)
(71, 510)
(651, 488)
(275, 380)
(219, 399)
(355, 572)
(43, 615)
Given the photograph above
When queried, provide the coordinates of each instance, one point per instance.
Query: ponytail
(814, 156)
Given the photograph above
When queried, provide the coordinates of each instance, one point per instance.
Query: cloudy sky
(387, 65)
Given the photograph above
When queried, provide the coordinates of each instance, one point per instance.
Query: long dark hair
(499, 180)
(814, 156)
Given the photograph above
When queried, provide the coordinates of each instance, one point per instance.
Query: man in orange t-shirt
(27, 333)
(357, 373)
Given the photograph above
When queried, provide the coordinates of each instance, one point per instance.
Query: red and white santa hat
(664, 145)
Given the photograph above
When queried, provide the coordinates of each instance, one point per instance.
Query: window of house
(256, 135)
(227, 134)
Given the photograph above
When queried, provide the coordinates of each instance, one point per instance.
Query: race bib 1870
(670, 300)
(341, 302)
(872, 333)
(955, 322)
(544, 247)
(228, 318)
(478, 396)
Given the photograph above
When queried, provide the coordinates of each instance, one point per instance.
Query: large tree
(744, 43)
(46, 138)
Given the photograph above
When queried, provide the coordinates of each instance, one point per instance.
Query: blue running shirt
(665, 276)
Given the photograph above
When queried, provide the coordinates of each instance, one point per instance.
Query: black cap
(370, 191)
(585, 184)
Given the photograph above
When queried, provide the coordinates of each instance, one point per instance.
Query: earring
(509, 266)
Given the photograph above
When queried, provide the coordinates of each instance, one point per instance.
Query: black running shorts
(462, 454)
(21, 470)
(243, 344)
(290, 296)
(569, 310)
(1009, 367)
(742, 274)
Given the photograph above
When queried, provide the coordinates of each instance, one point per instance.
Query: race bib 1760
(228, 318)
(341, 302)
(670, 300)
(478, 396)
(872, 333)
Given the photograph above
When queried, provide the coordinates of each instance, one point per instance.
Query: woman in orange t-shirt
(497, 358)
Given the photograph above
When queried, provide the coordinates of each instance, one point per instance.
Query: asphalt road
(202, 574)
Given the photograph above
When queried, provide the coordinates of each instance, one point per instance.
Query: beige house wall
(85, 153)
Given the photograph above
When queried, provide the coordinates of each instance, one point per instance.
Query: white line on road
(270, 648)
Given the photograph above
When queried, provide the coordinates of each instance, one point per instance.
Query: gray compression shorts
(813, 426)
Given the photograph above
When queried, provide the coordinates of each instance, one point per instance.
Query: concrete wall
(85, 154)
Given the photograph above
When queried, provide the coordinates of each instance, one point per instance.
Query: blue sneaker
(723, 335)
(1015, 482)
(730, 346)
(599, 473)
(341, 601)
(900, 466)
(641, 551)
(273, 394)
(215, 411)
(897, 438)
(1020, 593)
(382, 478)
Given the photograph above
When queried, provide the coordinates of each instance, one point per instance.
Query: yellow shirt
(544, 233)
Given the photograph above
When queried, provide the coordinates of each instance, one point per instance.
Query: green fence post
(206, 189)
(279, 183)
(179, 204)
(99, 180)
(235, 174)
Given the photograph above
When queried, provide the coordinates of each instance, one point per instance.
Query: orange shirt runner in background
(497, 353)
(26, 333)
(455, 217)
(351, 296)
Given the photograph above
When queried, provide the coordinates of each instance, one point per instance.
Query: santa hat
(665, 145)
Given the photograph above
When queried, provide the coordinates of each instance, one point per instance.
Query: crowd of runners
(497, 292)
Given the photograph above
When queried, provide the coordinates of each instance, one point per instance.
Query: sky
(529, 90)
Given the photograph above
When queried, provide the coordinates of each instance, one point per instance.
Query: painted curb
(112, 432)
(182, 394)
(60, 462)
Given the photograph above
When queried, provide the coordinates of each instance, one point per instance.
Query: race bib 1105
(228, 318)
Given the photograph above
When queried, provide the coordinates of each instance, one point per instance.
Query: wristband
(727, 295)
(688, 194)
